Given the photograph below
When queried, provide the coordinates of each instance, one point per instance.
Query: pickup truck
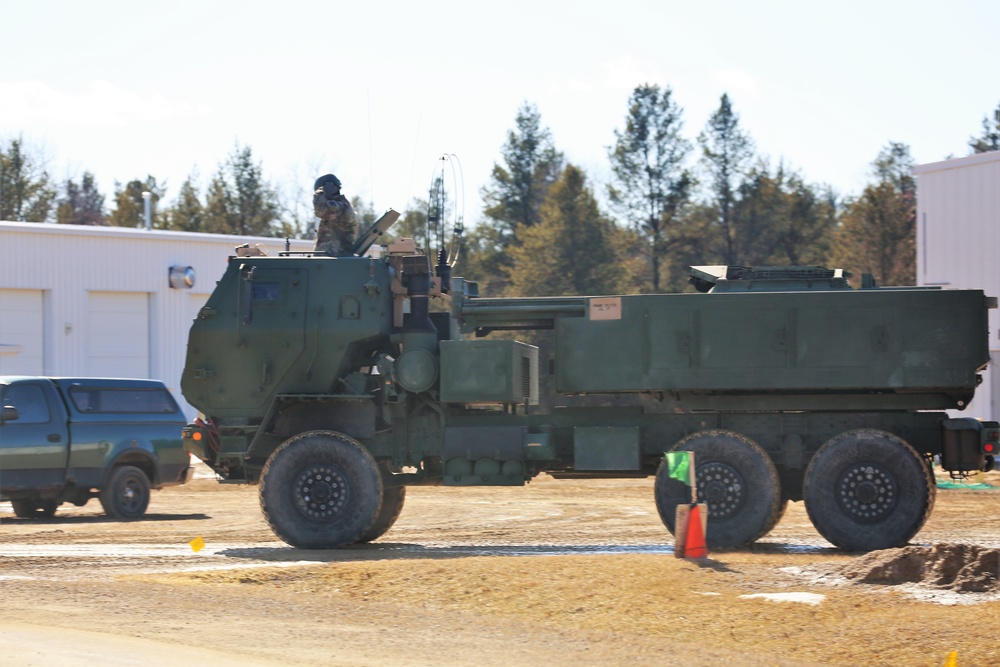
(67, 440)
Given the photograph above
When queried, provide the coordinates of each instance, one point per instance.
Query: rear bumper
(176, 475)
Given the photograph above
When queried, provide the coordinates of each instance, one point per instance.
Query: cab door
(34, 447)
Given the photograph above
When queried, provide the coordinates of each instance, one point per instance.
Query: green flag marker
(678, 466)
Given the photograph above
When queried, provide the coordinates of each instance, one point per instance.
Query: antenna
(437, 210)
(371, 159)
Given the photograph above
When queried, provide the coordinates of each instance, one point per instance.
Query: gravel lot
(560, 572)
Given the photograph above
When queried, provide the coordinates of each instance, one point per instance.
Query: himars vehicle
(331, 383)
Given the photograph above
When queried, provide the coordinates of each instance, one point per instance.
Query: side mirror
(9, 414)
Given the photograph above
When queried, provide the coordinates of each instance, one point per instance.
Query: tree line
(238, 199)
(674, 203)
(671, 203)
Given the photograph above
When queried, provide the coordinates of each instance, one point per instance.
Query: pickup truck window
(121, 401)
(32, 408)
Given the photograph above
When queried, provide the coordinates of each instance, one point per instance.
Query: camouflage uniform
(338, 225)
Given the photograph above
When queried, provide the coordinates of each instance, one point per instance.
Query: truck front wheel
(126, 495)
(321, 490)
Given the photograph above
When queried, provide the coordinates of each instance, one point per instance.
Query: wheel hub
(320, 491)
(866, 492)
(722, 487)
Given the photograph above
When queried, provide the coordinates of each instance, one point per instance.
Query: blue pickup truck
(67, 440)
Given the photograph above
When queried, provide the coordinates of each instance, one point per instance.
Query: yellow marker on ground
(197, 544)
(951, 660)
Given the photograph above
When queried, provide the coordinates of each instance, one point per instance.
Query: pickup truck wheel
(737, 480)
(126, 495)
(866, 490)
(392, 505)
(321, 490)
(34, 509)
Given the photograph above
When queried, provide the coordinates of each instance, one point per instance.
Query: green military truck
(333, 383)
(67, 440)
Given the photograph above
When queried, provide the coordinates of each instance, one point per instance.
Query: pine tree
(530, 165)
(651, 186)
(482, 259)
(877, 232)
(726, 154)
(240, 201)
(187, 214)
(990, 139)
(81, 204)
(512, 200)
(782, 220)
(130, 206)
(572, 249)
(26, 194)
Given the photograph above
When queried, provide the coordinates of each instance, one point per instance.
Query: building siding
(69, 264)
(958, 238)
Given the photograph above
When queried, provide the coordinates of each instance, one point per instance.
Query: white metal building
(958, 244)
(99, 301)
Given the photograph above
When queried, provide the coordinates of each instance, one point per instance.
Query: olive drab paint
(755, 373)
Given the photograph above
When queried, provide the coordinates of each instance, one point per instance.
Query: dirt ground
(558, 573)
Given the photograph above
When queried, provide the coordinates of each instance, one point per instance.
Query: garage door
(118, 334)
(21, 332)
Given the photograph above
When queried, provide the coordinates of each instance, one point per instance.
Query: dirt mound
(964, 568)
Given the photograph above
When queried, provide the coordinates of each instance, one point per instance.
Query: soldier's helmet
(323, 180)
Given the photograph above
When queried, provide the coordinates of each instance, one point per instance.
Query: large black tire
(866, 490)
(320, 490)
(737, 480)
(126, 495)
(393, 498)
(34, 508)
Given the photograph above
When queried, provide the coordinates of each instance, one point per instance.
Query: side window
(266, 291)
(123, 401)
(32, 408)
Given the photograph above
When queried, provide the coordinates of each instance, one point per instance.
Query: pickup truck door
(34, 448)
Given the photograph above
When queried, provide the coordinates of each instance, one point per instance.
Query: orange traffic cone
(694, 545)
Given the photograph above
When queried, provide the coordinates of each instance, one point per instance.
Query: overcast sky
(376, 92)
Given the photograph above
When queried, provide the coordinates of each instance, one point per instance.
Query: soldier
(338, 226)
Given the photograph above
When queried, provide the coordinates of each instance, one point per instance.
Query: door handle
(54, 437)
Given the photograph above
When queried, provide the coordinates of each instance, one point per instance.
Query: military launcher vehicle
(332, 383)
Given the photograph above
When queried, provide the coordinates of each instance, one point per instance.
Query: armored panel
(841, 350)
(502, 443)
(606, 448)
(489, 371)
(283, 325)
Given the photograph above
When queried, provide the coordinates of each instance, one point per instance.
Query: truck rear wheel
(33, 508)
(321, 490)
(737, 480)
(126, 495)
(866, 490)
